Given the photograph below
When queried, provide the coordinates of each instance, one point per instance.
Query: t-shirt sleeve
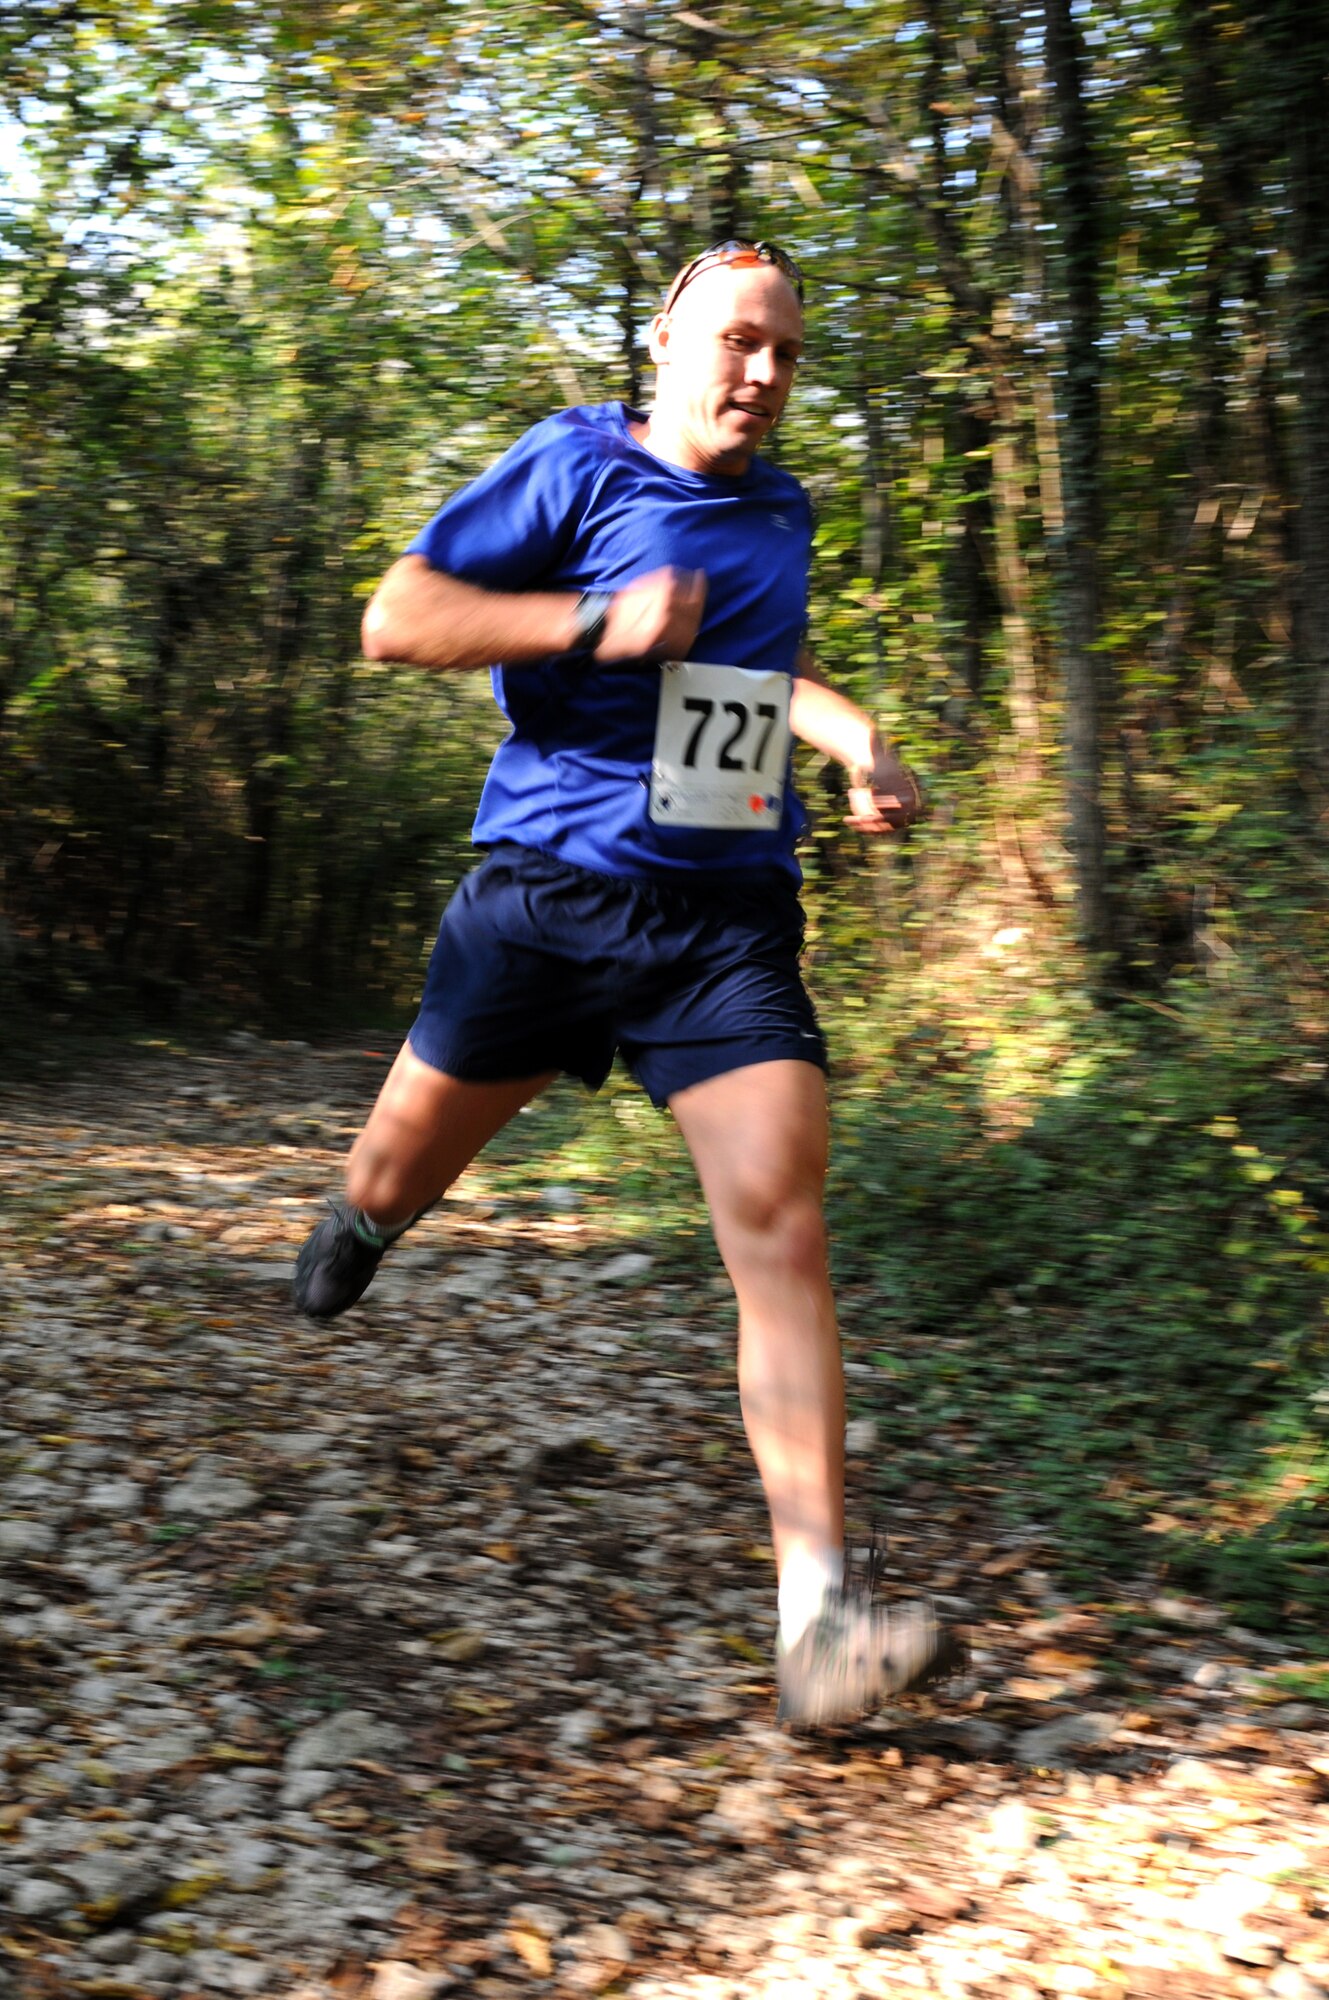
(511, 526)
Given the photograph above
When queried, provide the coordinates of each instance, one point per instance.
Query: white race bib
(721, 746)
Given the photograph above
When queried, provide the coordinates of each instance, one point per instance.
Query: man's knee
(779, 1215)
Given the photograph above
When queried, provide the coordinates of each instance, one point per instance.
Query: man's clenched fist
(884, 796)
(655, 618)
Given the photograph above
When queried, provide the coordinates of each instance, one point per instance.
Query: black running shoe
(856, 1654)
(335, 1266)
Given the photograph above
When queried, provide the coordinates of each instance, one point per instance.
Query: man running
(643, 582)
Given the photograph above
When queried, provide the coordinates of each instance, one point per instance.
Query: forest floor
(430, 1652)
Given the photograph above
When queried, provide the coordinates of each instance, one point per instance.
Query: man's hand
(655, 618)
(884, 796)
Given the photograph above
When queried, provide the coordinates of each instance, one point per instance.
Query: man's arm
(883, 794)
(423, 617)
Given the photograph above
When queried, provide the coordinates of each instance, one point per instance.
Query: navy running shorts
(541, 965)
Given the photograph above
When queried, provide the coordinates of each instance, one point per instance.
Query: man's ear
(657, 339)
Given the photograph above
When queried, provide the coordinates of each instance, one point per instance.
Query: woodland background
(275, 278)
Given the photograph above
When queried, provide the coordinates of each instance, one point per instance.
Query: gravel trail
(430, 1652)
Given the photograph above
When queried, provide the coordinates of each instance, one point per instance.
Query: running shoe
(856, 1654)
(336, 1265)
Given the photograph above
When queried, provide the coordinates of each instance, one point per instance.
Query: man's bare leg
(759, 1139)
(758, 1136)
(422, 1134)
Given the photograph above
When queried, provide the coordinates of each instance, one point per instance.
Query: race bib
(721, 747)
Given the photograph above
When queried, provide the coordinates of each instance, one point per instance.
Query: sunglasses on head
(738, 255)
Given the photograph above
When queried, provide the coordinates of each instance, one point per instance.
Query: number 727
(703, 708)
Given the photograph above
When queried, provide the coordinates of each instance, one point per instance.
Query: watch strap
(589, 617)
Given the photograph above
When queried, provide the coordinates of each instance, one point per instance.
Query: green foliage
(277, 284)
(1304, 1684)
(1126, 1296)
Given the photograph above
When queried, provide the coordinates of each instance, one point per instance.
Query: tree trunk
(629, 279)
(1013, 591)
(145, 852)
(875, 547)
(1080, 235)
(975, 601)
(647, 147)
(265, 783)
(1305, 80)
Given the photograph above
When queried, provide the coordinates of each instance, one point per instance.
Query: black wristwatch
(589, 616)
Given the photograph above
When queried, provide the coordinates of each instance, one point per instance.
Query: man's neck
(668, 442)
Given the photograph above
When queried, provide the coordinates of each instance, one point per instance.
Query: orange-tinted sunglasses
(738, 253)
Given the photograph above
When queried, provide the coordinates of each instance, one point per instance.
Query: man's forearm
(424, 618)
(828, 720)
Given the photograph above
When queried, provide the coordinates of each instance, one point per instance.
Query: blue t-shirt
(577, 504)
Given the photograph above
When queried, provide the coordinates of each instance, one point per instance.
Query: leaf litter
(429, 1652)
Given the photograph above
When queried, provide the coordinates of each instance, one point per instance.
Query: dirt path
(429, 1652)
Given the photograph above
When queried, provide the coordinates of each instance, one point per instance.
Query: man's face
(725, 357)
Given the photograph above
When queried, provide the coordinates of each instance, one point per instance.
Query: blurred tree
(1079, 546)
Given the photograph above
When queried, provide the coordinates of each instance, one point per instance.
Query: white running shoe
(856, 1654)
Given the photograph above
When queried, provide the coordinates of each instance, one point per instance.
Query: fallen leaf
(192, 1889)
(533, 1951)
(345, 1818)
(478, 1704)
(262, 1629)
(936, 1900)
(735, 1642)
(1005, 1565)
(1047, 1660)
(428, 1853)
(459, 1646)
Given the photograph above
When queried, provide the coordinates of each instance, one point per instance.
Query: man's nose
(762, 366)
